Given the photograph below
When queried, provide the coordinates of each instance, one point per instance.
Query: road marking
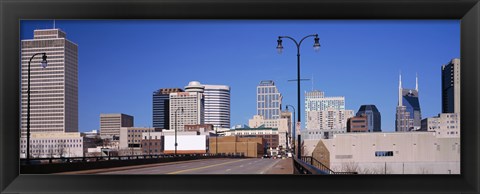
(269, 167)
(203, 167)
(241, 166)
(228, 169)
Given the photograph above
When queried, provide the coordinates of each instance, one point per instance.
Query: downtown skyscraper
(161, 107)
(53, 89)
(187, 108)
(269, 100)
(408, 114)
(451, 87)
(217, 105)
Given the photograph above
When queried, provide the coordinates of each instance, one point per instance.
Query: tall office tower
(161, 107)
(316, 101)
(451, 87)
(408, 115)
(53, 89)
(269, 100)
(110, 124)
(192, 104)
(217, 105)
(373, 117)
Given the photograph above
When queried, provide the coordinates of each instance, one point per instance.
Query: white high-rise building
(269, 100)
(217, 105)
(192, 104)
(325, 112)
(53, 89)
(328, 119)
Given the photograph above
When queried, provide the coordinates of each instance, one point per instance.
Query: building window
(383, 153)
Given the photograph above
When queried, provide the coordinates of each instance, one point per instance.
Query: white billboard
(186, 142)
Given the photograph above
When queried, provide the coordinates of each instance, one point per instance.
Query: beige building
(130, 137)
(328, 119)
(53, 145)
(248, 146)
(391, 153)
(444, 125)
(282, 124)
(110, 124)
(54, 89)
(271, 137)
(192, 104)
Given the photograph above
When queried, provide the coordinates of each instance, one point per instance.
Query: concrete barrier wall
(77, 166)
(398, 167)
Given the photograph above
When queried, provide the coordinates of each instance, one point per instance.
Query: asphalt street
(208, 166)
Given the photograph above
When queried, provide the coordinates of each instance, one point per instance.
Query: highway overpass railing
(56, 165)
(309, 165)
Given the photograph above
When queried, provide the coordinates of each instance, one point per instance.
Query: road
(205, 166)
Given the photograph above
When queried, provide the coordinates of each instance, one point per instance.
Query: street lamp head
(316, 45)
(44, 60)
(181, 110)
(279, 46)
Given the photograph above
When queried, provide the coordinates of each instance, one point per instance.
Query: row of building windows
(54, 141)
(53, 146)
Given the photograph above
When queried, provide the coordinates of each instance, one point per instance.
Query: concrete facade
(317, 101)
(131, 137)
(53, 145)
(110, 124)
(193, 109)
(445, 125)
(328, 119)
(392, 153)
(54, 89)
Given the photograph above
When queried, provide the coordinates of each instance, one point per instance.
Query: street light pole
(44, 64)
(293, 131)
(316, 47)
(179, 108)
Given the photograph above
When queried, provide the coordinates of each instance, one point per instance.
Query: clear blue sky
(121, 62)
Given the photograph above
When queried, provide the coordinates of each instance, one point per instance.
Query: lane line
(203, 167)
(269, 167)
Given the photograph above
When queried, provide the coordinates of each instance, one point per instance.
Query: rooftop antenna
(416, 82)
(54, 24)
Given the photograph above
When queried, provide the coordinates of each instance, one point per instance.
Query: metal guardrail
(34, 161)
(309, 165)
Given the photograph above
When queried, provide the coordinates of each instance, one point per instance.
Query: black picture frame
(12, 11)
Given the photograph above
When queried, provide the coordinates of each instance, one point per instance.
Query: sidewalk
(285, 166)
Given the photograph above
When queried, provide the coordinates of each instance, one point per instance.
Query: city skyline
(436, 43)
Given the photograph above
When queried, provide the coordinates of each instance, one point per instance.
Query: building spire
(416, 82)
(400, 89)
